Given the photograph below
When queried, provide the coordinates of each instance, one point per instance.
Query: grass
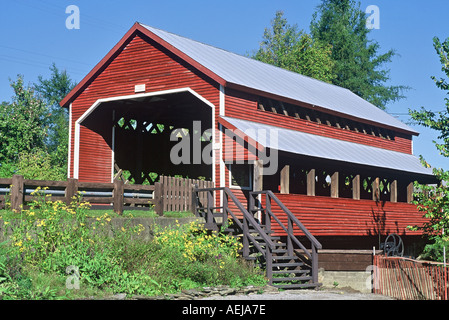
(93, 213)
(34, 260)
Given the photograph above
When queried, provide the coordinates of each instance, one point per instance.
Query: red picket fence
(408, 279)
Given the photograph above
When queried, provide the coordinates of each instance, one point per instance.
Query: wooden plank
(17, 191)
(138, 201)
(47, 198)
(176, 195)
(335, 185)
(168, 191)
(376, 189)
(6, 181)
(285, 179)
(394, 191)
(258, 175)
(95, 185)
(159, 198)
(98, 199)
(139, 187)
(44, 183)
(284, 110)
(410, 189)
(356, 187)
(118, 196)
(71, 190)
(311, 182)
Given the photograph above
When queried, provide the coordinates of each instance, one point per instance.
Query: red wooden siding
(325, 216)
(240, 194)
(142, 61)
(244, 106)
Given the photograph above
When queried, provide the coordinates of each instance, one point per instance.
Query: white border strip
(69, 155)
(136, 96)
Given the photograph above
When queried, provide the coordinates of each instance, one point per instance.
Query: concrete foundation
(355, 280)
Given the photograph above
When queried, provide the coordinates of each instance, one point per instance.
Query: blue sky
(33, 34)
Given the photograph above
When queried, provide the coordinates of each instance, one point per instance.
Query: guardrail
(169, 194)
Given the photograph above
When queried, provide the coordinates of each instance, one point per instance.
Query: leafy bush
(204, 257)
(435, 251)
(51, 235)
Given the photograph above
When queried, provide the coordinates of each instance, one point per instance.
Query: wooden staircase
(287, 262)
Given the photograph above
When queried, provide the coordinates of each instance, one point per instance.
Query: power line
(43, 55)
(36, 64)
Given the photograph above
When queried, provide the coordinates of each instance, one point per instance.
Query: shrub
(204, 257)
(51, 235)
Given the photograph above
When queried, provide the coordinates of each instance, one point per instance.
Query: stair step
(304, 278)
(273, 238)
(285, 257)
(296, 286)
(291, 271)
(287, 264)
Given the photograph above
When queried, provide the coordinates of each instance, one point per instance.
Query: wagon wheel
(393, 245)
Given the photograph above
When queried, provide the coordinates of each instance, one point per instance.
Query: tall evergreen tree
(358, 65)
(287, 47)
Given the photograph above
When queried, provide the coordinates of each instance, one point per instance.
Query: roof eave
(137, 27)
(318, 108)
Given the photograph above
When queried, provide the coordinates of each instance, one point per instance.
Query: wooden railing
(219, 215)
(169, 194)
(408, 279)
(291, 227)
(355, 186)
(251, 228)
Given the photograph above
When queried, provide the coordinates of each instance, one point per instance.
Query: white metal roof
(327, 148)
(247, 72)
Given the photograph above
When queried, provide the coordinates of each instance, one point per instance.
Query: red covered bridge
(344, 167)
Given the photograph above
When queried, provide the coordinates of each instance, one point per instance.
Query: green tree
(438, 121)
(52, 91)
(24, 136)
(433, 200)
(22, 123)
(285, 46)
(358, 66)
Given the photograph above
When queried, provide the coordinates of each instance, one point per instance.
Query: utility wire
(43, 55)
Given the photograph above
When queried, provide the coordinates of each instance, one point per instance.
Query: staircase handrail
(291, 216)
(246, 215)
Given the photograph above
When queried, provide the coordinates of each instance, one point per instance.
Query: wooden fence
(176, 193)
(169, 194)
(408, 279)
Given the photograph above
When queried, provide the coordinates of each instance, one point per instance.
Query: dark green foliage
(287, 47)
(433, 200)
(34, 129)
(358, 65)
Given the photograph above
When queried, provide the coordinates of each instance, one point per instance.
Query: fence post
(118, 196)
(314, 264)
(70, 190)
(159, 198)
(17, 191)
(193, 199)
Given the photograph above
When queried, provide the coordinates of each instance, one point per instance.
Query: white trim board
(136, 96)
